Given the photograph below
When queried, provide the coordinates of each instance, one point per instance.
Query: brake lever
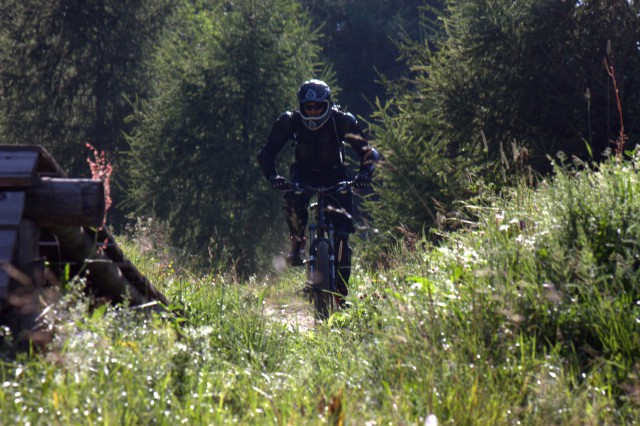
(295, 187)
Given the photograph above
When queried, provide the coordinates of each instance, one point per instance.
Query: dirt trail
(297, 314)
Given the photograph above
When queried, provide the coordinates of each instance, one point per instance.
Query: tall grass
(529, 317)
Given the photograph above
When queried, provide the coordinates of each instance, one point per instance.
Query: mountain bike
(321, 265)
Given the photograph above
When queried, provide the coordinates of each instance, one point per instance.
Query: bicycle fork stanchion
(332, 261)
(312, 257)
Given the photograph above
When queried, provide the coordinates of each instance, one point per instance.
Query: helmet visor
(314, 110)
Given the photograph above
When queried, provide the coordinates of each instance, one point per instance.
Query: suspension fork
(320, 231)
(332, 259)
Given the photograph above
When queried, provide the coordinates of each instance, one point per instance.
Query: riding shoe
(341, 303)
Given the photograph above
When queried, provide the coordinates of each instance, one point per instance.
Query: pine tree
(520, 71)
(66, 66)
(529, 74)
(223, 77)
(360, 40)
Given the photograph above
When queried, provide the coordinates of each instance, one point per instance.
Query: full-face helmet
(314, 98)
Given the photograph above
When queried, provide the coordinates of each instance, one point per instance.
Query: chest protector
(319, 150)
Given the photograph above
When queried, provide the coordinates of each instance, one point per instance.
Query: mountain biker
(319, 129)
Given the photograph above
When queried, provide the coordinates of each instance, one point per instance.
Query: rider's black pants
(297, 214)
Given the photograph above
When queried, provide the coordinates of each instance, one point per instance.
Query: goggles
(308, 107)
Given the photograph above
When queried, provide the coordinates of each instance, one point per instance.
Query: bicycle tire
(322, 297)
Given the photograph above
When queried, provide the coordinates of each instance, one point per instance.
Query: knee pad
(296, 214)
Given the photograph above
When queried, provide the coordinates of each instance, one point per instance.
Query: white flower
(432, 420)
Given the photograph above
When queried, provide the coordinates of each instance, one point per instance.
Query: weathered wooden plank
(7, 244)
(46, 164)
(17, 169)
(4, 284)
(28, 250)
(11, 208)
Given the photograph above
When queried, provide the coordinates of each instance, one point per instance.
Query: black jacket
(319, 150)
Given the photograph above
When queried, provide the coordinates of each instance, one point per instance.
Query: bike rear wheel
(322, 297)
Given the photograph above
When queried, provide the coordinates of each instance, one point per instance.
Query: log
(53, 202)
(105, 276)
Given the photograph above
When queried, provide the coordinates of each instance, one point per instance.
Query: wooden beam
(44, 166)
(17, 169)
(8, 239)
(11, 208)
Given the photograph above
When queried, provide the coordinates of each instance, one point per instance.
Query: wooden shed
(51, 226)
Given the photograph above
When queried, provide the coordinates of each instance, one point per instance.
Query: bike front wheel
(323, 299)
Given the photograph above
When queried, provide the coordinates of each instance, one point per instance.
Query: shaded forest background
(460, 96)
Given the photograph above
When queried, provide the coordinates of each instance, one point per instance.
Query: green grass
(531, 317)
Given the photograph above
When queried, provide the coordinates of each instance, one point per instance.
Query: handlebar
(342, 187)
(300, 187)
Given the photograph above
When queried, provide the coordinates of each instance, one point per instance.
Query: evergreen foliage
(521, 71)
(510, 84)
(223, 76)
(65, 66)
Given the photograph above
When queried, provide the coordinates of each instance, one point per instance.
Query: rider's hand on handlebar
(362, 180)
(278, 182)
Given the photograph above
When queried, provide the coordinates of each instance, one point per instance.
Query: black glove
(362, 180)
(278, 182)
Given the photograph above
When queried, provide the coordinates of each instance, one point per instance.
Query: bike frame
(322, 230)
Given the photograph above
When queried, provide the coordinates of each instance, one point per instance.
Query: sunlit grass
(531, 317)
